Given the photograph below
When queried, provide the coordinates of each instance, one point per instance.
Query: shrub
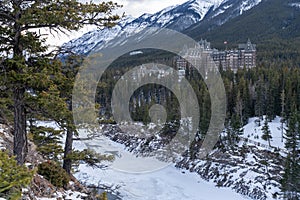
(13, 177)
(54, 173)
(102, 196)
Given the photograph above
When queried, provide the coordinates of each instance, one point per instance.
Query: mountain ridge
(273, 25)
(270, 24)
(178, 18)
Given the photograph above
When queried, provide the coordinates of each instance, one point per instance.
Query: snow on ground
(124, 160)
(2, 147)
(48, 124)
(253, 132)
(137, 178)
(169, 183)
(68, 195)
(297, 5)
(166, 183)
(3, 134)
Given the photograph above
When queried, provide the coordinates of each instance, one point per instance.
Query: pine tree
(260, 101)
(69, 70)
(290, 183)
(234, 130)
(292, 134)
(48, 141)
(6, 114)
(291, 179)
(282, 114)
(12, 177)
(27, 66)
(266, 131)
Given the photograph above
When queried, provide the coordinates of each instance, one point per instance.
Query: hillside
(73, 128)
(272, 24)
(39, 188)
(252, 168)
(178, 18)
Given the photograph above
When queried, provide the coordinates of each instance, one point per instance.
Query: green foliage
(290, 183)
(268, 89)
(88, 156)
(234, 130)
(54, 173)
(266, 131)
(48, 141)
(13, 177)
(6, 114)
(102, 196)
(31, 75)
(292, 135)
(291, 179)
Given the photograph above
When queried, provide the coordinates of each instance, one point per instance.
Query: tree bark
(20, 135)
(67, 165)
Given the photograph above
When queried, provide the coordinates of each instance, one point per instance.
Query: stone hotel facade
(242, 57)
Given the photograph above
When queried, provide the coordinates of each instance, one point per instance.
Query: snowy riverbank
(243, 170)
(168, 183)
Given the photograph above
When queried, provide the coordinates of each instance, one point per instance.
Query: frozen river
(135, 179)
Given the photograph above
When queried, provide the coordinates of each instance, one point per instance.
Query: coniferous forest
(270, 90)
(36, 85)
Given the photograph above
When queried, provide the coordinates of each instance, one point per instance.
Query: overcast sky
(134, 8)
(138, 7)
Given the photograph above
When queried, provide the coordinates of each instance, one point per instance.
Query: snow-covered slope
(252, 168)
(178, 18)
(227, 10)
(253, 133)
(168, 183)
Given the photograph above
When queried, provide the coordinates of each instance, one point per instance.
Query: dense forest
(270, 89)
(37, 86)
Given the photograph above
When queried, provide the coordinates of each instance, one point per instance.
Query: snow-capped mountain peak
(126, 20)
(247, 5)
(202, 7)
(178, 18)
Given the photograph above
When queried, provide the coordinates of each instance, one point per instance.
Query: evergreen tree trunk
(67, 165)
(24, 56)
(20, 136)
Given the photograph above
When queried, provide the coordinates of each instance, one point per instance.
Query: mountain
(274, 25)
(271, 18)
(226, 11)
(271, 24)
(179, 18)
